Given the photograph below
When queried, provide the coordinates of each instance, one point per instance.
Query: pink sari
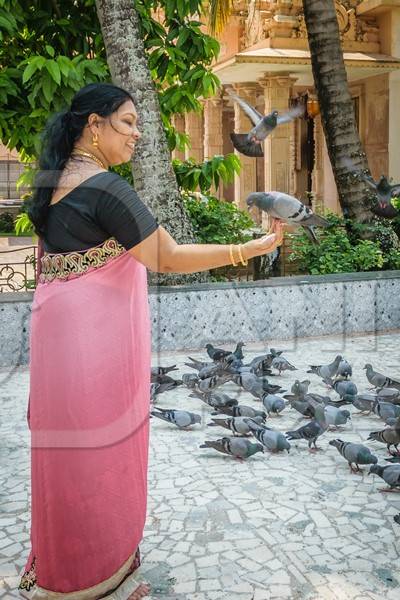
(89, 418)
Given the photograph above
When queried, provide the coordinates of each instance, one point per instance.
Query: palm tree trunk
(154, 177)
(337, 109)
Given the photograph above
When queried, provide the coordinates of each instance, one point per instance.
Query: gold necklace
(81, 152)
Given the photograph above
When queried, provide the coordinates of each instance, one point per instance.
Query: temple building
(265, 58)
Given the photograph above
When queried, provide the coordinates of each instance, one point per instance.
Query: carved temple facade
(265, 58)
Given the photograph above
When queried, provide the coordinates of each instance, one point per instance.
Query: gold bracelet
(231, 255)
(244, 262)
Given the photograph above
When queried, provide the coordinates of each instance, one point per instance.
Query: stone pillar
(178, 122)
(195, 130)
(213, 138)
(246, 181)
(277, 147)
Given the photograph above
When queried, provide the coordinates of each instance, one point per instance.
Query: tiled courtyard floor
(297, 526)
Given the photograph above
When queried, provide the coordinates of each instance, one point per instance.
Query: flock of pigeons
(250, 427)
(288, 208)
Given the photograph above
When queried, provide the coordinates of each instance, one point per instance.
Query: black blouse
(102, 206)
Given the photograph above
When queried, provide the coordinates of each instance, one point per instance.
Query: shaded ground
(296, 526)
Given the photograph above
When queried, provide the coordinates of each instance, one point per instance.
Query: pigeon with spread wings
(250, 144)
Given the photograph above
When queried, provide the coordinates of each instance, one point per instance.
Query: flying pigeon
(354, 454)
(234, 446)
(390, 475)
(288, 209)
(180, 418)
(250, 144)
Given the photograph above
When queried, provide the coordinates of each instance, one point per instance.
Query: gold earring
(95, 143)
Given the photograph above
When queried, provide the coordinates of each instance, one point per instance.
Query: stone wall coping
(226, 285)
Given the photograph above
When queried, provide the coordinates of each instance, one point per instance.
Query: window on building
(10, 170)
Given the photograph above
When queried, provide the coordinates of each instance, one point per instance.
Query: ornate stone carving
(285, 19)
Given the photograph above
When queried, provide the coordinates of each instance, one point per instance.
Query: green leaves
(217, 222)
(191, 175)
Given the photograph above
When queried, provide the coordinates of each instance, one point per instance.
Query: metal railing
(18, 274)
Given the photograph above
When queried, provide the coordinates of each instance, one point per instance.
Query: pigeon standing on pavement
(239, 410)
(310, 432)
(281, 364)
(344, 369)
(364, 402)
(346, 389)
(273, 404)
(390, 475)
(238, 425)
(234, 446)
(378, 380)
(214, 399)
(250, 144)
(162, 370)
(273, 440)
(288, 209)
(386, 410)
(326, 371)
(356, 454)
(389, 436)
(300, 388)
(180, 418)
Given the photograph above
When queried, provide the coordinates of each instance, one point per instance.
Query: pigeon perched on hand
(378, 380)
(288, 209)
(180, 418)
(326, 371)
(250, 144)
(273, 440)
(238, 447)
(354, 454)
(390, 475)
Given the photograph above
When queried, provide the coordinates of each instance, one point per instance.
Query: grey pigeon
(214, 399)
(198, 364)
(166, 379)
(273, 404)
(281, 364)
(302, 406)
(213, 382)
(237, 425)
(257, 386)
(180, 418)
(378, 380)
(190, 380)
(288, 209)
(390, 475)
(332, 415)
(389, 436)
(210, 371)
(389, 395)
(234, 446)
(383, 190)
(326, 371)
(216, 354)
(159, 388)
(364, 402)
(162, 370)
(356, 454)
(300, 388)
(240, 410)
(344, 369)
(346, 389)
(310, 432)
(273, 440)
(386, 410)
(250, 144)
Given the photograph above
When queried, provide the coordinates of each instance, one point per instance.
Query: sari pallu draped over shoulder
(88, 416)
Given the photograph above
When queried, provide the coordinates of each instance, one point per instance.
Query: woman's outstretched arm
(160, 253)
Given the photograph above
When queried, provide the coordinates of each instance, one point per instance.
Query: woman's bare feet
(141, 591)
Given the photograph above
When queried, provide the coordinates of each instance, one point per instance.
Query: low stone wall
(188, 317)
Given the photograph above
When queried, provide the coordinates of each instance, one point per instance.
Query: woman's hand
(266, 244)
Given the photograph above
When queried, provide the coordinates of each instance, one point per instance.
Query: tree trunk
(337, 111)
(154, 177)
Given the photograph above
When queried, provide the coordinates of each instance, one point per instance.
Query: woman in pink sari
(88, 410)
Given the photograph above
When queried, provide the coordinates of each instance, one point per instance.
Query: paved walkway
(296, 526)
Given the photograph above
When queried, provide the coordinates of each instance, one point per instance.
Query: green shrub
(6, 223)
(218, 222)
(338, 251)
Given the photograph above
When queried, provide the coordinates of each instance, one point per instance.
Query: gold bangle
(231, 255)
(244, 262)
